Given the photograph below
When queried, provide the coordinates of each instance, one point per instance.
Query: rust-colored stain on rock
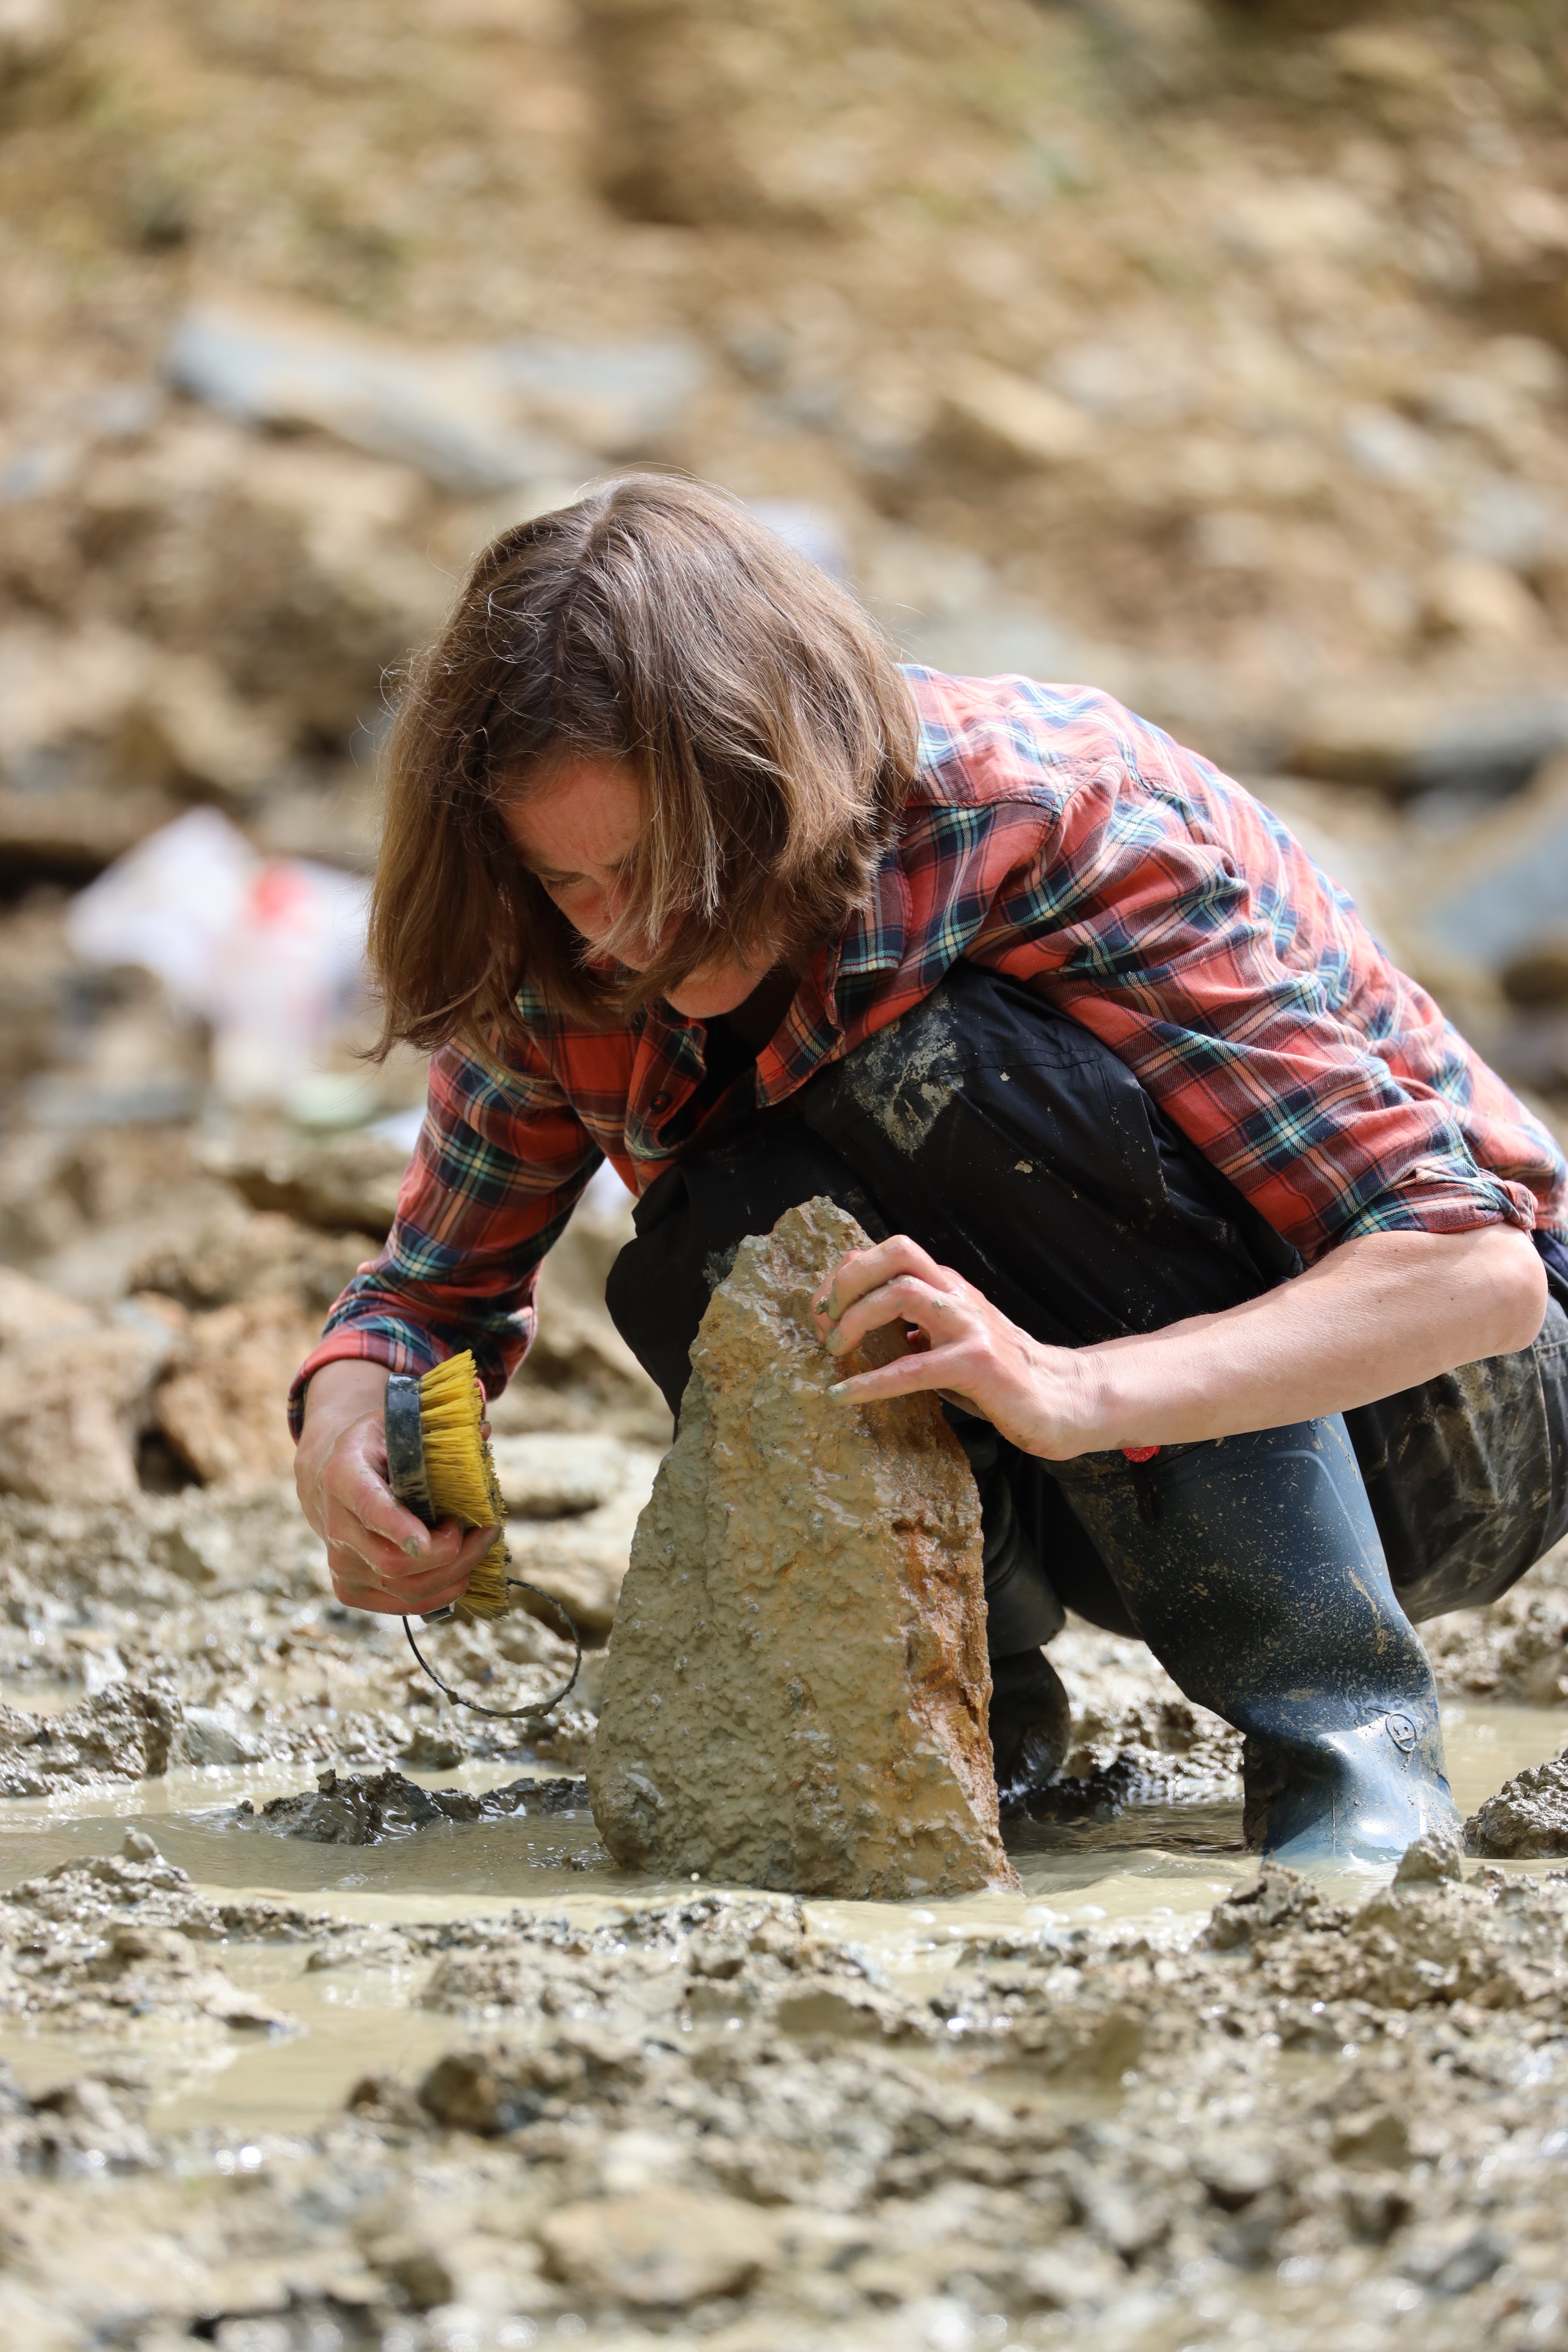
(797, 1690)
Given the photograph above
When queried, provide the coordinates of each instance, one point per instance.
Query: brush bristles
(461, 1476)
(487, 1595)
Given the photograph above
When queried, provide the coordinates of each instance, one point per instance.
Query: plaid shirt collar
(835, 988)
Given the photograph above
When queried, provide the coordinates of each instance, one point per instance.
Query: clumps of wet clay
(1430, 1940)
(1527, 1819)
(705, 2100)
(1516, 1649)
(797, 1690)
(711, 2121)
(125, 1733)
(104, 1944)
(673, 1977)
(370, 1808)
(206, 1632)
(82, 2129)
(1136, 1739)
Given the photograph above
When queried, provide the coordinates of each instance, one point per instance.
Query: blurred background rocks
(1213, 353)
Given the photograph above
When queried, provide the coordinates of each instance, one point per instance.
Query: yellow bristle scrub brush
(439, 1468)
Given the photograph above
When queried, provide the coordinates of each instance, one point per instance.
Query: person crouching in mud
(1243, 1278)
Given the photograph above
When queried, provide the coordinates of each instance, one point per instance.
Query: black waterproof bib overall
(1275, 1576)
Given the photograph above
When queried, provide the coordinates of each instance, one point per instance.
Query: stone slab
(797, 1689)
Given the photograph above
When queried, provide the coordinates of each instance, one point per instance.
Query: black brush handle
(406, 1446)
(406, 1456)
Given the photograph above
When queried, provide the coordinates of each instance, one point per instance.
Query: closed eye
(554, 881)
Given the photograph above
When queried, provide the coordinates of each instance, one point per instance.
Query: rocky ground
(708, 2120)
(630, 2114)
(1213, 353)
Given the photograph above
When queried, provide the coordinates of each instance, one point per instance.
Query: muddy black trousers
(1019, 1150)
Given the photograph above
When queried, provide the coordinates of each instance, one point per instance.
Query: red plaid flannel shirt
(1054, 837)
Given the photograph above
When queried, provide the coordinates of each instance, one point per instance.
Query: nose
(598, 909)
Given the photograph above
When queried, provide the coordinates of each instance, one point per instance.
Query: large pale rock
(71, 1408)
(222, 1407)
(129, 1732)
(1003, 422)
(30, 1312)
(236, 1256)
(796, 1695)
(664, 2247)
(551, 1477)
(575, 1344)
(187, 733)
(580, 1375)
(76, 830)
(349, 1184)
(581, 1559)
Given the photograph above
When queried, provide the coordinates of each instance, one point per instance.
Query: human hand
(960, 1346)
(379, 1554)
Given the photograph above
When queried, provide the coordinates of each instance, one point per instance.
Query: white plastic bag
(269, 950)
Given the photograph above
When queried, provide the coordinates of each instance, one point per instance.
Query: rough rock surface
(1528, 1818)
(71, 1409)
(798, 1692)
(221, 1407)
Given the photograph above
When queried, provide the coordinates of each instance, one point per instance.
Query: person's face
(577, 836)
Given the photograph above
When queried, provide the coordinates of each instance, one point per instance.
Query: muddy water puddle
(1487, 1744)
(1164, 1865)
(350, 2023)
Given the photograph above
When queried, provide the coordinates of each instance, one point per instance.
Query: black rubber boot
(1253, 1570)
(1030, 1723)
(1030, 1728)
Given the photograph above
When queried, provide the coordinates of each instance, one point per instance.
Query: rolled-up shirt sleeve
(1176, 919)
(499, 1166)
(1445, 1194)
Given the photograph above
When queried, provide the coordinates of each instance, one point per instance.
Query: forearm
(488, 1191)
(1378, 1315)
(1375, 1315)
(342, 1390)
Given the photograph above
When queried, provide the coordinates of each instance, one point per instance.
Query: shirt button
(661, 1102)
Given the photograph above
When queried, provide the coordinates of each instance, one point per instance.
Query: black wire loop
(510, 1714)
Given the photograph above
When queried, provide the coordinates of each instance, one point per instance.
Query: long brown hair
(657, 623)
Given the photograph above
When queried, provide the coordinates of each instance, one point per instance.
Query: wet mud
(1528, 1816)
(364, 1809)
(326, 2021)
